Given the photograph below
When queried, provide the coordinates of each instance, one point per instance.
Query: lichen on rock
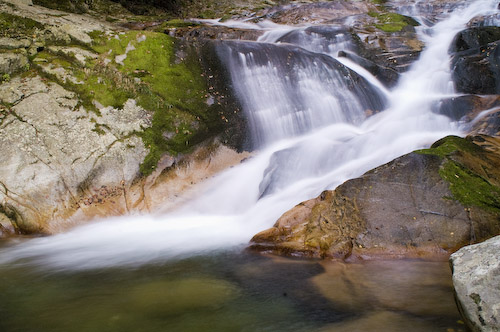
(476, 277)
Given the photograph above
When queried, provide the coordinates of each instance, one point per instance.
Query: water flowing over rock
(421, 204)
(476, 277)
(73, 121)
(316, 119)
(288, 81)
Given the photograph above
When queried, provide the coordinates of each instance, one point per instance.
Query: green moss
(99, 85)
(392, 22)
(162, 80)
(5, 78)
(466, 186)
(450, 144)
(469, 188)
(171, 86)
(77, 6)
(81, 6)
(14, 26)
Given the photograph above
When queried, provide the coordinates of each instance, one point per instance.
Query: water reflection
(232, 291)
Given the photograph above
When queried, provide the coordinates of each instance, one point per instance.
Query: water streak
(311, 125)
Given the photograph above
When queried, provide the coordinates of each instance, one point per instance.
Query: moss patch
(106, 7)
(15, 26)
(450, 144)
(151, 68)
(392, 22)
(168, 82)
(467, 186)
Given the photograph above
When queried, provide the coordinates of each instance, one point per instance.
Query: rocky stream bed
(126, 108)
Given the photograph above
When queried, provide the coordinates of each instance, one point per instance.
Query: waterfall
(308, 112)
(287, 91)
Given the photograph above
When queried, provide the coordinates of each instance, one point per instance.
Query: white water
(305, 162)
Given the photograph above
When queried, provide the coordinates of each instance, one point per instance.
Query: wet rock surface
(476, 277)
(476, 60)
(421, 204)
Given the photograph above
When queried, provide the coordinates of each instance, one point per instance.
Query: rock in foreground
(476, 277)
(426, 203)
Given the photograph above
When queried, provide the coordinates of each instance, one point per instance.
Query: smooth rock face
(476, 277)
(405, 208)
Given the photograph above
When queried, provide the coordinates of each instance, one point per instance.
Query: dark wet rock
(476, 61)
(341, 41)
(489, 124)
(476, 277)
(396, 51)
(477, 71)
(426, 203)
(388, 76)
(234, 127)
(474, 38)
(481, 114)
(207, 32)
(353, 93)
(466, 107)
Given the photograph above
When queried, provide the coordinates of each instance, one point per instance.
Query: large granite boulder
(98, 130)
(426, 203)
(476, 277)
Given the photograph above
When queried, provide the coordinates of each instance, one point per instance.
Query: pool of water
(231, 291)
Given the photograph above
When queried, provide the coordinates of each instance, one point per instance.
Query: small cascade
(287, 91)
(308, 114)
(326, 39)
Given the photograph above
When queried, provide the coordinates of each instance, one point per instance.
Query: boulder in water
(426, 203)
(476, 277)
(386, 75)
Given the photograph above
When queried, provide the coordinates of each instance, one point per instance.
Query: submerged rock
(429, 202)
(476, 277)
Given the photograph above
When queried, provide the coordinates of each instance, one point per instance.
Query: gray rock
(476, 277)
(54, 152)
(12, 44)
(12, 62)
(80, 55)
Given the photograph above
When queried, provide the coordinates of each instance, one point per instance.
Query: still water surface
(232, 291)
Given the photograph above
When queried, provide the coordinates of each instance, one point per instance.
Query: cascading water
(308, 113)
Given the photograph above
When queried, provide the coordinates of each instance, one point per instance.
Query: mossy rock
(14, 26)
(173, 88)
(472, 172)
(427, 203)
(392, 22)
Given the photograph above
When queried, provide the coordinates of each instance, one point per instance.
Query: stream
(316, 121)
